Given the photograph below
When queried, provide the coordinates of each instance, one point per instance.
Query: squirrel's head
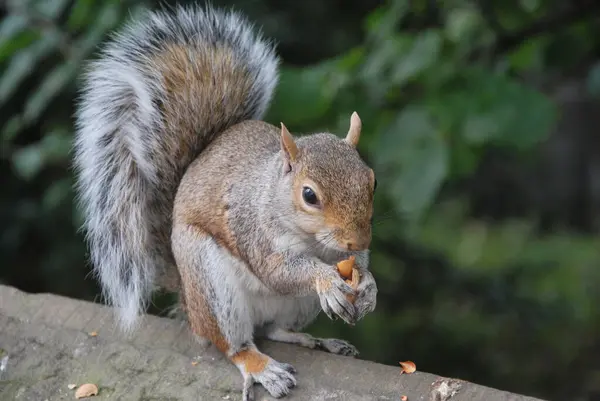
(332, 187)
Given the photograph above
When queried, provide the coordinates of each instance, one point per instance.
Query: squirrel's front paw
(332, 292)
(367, 295)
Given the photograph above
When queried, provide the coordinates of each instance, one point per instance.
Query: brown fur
(237, 192)
(253, 360)
(346, 186)
(206, 203)
(202, 320)
(347, 206)
(191, 74)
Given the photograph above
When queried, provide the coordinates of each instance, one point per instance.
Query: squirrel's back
(160, 91)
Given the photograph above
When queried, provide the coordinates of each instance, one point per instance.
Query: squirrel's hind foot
(276, 377)
(332, 345)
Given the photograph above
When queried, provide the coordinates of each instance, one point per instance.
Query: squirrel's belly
(262, 305)
(267, 307)
(284, 312)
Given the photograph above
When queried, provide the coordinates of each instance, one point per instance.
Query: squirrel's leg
(217, 310)
(332, 345)
(288, 323)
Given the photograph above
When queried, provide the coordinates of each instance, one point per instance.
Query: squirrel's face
(332, 188)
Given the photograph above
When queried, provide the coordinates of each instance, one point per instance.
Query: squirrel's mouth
(330, 240)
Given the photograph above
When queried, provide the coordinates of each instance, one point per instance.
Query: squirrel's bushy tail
(159, 92)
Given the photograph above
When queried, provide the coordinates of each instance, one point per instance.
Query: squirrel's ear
(354, 131)
(290, 150)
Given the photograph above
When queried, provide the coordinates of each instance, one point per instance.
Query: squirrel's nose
(357, 245)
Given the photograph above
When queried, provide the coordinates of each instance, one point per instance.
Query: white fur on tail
(126, 178)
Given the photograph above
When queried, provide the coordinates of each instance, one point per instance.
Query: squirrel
(183, 187)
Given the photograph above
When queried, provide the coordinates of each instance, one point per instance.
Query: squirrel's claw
(334, 301)
(248, 391)
(326, 308)
(336, 346)
(367, 296)
(277, 378)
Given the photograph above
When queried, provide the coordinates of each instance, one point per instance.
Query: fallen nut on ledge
(407, 367)
(86, 390)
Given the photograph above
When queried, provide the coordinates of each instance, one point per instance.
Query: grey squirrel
(183, 187)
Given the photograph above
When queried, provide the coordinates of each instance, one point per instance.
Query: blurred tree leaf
(50, 87)
(56, 144)
(11, 128)
(79, 16)
(51, 9)
(28, 161)
(23, 64)
(311, 97)
(11, 26)
(593, 80)
(461, 23)
(423, 53)
(383, 22)
(56, 194)
(528, 56)
(414, 159)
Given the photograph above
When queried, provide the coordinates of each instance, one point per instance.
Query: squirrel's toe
(276, 378)
(336, 346)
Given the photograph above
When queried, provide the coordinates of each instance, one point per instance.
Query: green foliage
(440, 92)
(434, 107)
(44, 45)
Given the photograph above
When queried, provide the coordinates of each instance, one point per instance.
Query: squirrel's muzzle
(356, 241)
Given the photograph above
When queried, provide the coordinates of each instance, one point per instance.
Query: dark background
(480, 118)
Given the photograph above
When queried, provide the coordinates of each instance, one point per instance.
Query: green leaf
(80, 14)
(301, 89)
(529, 55)
(494, 107)
(24, 64)
(382, 22)
(375, 71)
(14, 35)
(11, 128)
(383, 56)
(593, 81)
(415, 157)
(56, 145)
(56, 194)
(52, 8)
(28, 161)
(461, 23)
(463, 159)
(352, 59)
(51, 86)
(480, 128)
(530, 5)
(423, 53)
(11, 25)
(533, 117)
(104, 22)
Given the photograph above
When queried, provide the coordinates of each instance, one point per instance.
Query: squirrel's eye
(309, 196)
(375, 185)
